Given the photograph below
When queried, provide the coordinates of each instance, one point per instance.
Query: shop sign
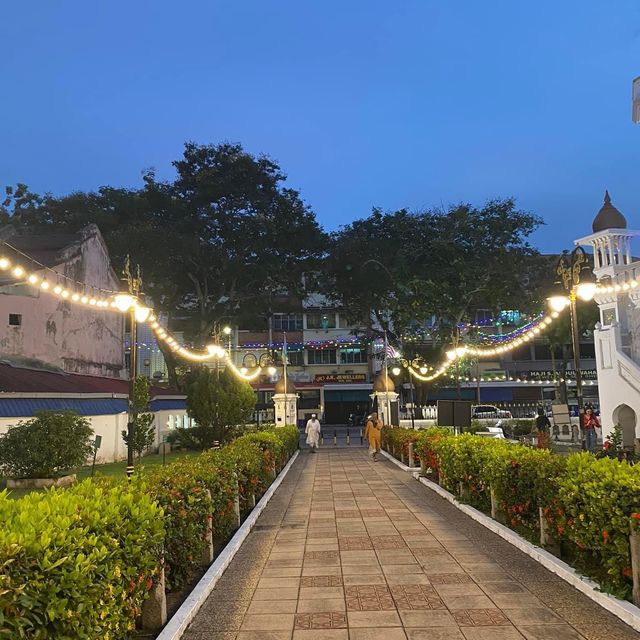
(341, 377)
(587, 374)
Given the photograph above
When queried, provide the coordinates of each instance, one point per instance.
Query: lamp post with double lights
(574, 280)
(128, 302)
(407, 364)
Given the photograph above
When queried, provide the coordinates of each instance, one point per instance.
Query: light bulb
(65, 293)
(227, 331)
(57, 289)
(44, 285)
(75, 297)
(243, 370)
(18, 272)
(451, 354)
(84, 299)
(558, 303)
(4, 264)
(124, 301)
(33, 279)
(395, 371)
(587, 290)
(272, 371)
(423, 370)
(92, 301)
(142, 313)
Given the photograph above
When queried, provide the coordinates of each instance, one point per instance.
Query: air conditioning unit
(635, 97)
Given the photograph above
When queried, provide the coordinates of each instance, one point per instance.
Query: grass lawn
(113, 469)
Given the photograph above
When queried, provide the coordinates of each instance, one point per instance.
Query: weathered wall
(75, 338)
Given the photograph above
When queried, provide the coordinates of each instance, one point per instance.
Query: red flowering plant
(464, 459)
(186, 505)
(425, 450)
(523, 480)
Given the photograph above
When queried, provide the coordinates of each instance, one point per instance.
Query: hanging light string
(122, 302)
(462, 351)
(73, 284)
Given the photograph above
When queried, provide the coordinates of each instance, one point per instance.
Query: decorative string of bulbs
(123, 302)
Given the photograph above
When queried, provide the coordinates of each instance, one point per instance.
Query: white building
(617, 335)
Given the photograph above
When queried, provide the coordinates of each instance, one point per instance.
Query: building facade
(36, 327)
(617, 334)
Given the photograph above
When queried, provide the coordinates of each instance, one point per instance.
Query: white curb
(403, 466)
(179, 622)
(626, 611)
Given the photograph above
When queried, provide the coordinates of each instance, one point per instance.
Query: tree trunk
(172, 364)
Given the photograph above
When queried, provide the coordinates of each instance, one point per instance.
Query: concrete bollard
(634, 544)
(496, 513)
(547, 541)
(410, 454)
(335, 438)
(348, 437)
(463, 489)
(423, 467)
(236, 505)
(252, 499)
(208, 551)
(154, 608)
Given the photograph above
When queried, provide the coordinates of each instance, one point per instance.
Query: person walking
(543, 425)
(373, 433)
(590, 424)
(313, 433)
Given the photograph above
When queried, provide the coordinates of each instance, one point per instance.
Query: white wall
(110, 427)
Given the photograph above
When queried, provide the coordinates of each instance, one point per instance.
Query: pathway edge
(403, 466)
(626, 611)
(181, 619)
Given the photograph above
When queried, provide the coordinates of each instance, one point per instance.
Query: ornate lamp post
(137, 313)
(574, 280)
(406, 363)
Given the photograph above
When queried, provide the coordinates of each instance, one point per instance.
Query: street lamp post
(396, 371)
(575, 280)
(137, 313)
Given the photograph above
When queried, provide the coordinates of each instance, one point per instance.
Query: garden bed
(579, 507)
(87, 558)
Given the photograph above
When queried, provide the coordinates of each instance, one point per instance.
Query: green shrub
(596, 501)
(77, 563)
(51, 444)
(180, 491)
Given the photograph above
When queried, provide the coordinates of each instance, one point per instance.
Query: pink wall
(67, 335)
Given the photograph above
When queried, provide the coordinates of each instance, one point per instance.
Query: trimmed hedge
(589, 504)
(78, 563)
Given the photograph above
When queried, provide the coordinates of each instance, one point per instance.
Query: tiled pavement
(352, 550)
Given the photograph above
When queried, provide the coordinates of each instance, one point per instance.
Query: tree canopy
(396, 269)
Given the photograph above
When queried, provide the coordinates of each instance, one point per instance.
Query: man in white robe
(313, 433)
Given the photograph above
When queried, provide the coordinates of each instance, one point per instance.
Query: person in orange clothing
(373, 433)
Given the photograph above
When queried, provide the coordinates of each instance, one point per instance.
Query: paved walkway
(351, 550)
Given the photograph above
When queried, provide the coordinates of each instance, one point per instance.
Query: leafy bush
(77, 563)
(47, 446)
(596, 501)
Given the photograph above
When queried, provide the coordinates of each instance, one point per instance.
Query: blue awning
(27, 407)
(162, 404)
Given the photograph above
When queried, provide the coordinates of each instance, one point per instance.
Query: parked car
(489, 412)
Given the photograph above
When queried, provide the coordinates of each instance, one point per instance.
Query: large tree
(393, 270)
(223, 240)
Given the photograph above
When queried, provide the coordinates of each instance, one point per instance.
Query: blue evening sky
(363, 102)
